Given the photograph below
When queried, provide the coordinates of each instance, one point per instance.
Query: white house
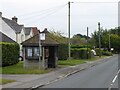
(15, 31)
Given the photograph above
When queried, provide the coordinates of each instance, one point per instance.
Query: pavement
(33, 81)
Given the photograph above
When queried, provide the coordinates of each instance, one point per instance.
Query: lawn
(70, 62)
(18, 69)
(5, 81)
(64, 63)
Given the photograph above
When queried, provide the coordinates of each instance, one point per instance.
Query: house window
(29, 52)
(32, 53)
(36, 52)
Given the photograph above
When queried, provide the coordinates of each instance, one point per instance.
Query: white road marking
(113, 81)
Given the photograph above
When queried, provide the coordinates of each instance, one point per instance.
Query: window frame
(32, 57)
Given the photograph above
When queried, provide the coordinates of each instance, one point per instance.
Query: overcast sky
(53, 14)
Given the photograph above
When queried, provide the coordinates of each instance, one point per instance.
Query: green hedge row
(107, 53)
(10, 53)
(81, 53)
(98, 51)
(81, 46)
(103, 52)
(63, 52)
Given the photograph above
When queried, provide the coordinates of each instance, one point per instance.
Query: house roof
(5, 38)
(27, 30)
(34, 41)
(16, 27)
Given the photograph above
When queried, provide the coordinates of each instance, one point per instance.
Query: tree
(104, 36)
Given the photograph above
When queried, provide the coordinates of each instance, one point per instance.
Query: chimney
(0, 14)
(45, 29)
(15, 19)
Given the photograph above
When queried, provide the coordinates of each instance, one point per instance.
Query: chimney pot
(15, 19)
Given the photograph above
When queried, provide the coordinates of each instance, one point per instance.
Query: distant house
(48, 57)
(11, 28)
(15, 31)
(30, 32)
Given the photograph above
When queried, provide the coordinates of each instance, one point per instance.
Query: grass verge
(70, 62)
(18, 69)
(96, 58)
(5, 81)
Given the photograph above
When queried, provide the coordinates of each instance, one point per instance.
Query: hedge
(107, 53)
(63, 52)
(98, 51)
(10, 53)
(81, 53)
(81, 46)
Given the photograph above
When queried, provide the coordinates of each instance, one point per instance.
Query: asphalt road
(100, 76)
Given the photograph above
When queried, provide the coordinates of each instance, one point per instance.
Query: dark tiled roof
(16, 27)
(5, 38)
(34, 41)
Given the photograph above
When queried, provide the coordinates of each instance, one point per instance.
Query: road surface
(103, 75)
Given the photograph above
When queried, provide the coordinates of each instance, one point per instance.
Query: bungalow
(44, 57)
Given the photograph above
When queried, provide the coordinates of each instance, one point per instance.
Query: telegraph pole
(87, 42)
(99, 39)
(69, 51)
(109, 42)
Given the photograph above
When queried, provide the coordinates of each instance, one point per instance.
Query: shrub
(63, 52)
(106, 53)
(98, 51)
(81, 53)
(10, 53)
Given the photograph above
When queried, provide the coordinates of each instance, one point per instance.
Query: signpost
(41, 37)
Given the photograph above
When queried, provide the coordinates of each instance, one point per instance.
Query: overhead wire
(41, 12)
(43, 16)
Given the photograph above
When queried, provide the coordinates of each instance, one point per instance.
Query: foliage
(106, 53)
(81, 36)
(10, 53)
(82, 53)
(79, 39)
(98, 51)
(114, 39)
(63, 47)
(115, 42)
(63, 52)
(81, 46)
(58, 37)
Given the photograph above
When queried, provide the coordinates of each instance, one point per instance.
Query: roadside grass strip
(19, 69)
(5, 81)
(70, 62)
